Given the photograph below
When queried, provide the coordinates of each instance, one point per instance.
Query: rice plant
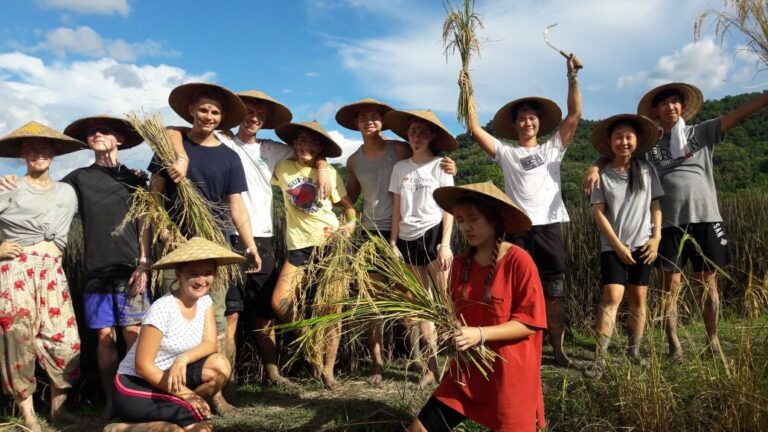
(459, 34)
(749, 17)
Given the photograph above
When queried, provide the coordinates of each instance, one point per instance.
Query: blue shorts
(108, 303)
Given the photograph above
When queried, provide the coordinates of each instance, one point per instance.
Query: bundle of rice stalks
(193, 215)
(399, 296)
(749, 17)
(459, 35)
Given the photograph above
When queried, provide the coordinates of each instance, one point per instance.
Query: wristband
(441, 246)
(182, 158)
(322, 169)
(351, 218)
(248, 249)
(482, 336)
(183, 358)
(142, 260)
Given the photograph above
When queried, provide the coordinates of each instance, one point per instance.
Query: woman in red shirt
(498, 297)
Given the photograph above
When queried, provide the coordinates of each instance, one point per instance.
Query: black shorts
(708, 250)
(422, 250)
(366, 235)
(299, 257)
(436, 416)
(136, 401)
(254, 294)
(613, 271)
(547, 248)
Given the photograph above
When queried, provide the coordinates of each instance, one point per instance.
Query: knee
(610, 299)
(637, 297)
(105, 336)
(217, 368)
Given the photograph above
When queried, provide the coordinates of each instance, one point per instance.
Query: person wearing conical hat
(627, 213)
(683, 157)
(215, 169)
(309, 220)
(171, 374)
(532, 180)
(369, 170)
(37, 321)
(499, 301)
(421, 230)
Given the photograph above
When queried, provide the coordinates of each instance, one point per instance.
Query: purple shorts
(108, 303)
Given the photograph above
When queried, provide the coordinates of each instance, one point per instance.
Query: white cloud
(86, 42)
(348, 146)
(325, 111)
(101, 7)
(311, 74)
(58, 93)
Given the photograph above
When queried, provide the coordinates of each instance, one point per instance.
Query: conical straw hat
(347, 115)
(10, 145)
(515, 220)
(78, 129)
(691, 94)
(198, 249)
(504, 122)
(185, 95)
(398, 122)
(278, 113)
(646, 130)
(288, 131)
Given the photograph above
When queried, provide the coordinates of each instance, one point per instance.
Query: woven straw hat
(398, 122)
(288, 132)
(515, 220)
(646, 131)
(504, 122)
(10, 145)
(198, 249)
(78, 129)
(278, 113)
(691, 94)
(347, 115)
(186, 94)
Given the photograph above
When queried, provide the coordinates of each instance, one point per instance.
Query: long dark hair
(490, 211)
(636, 182)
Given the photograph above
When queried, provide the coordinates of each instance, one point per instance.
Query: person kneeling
(166, 377)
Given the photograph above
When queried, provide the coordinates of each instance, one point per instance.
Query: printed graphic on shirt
(530, 162)
(411, 183)
(662, 156)
(303, 194)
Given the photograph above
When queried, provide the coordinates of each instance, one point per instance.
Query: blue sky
(65, 59)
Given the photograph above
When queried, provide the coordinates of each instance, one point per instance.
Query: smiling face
(102, 138)
(255, 117)
(195, 278)
(37, 153)
(668, 107)
(307, 147)
(420, 135)
(527, 123)
(623, 140)
(369, 121)
(206, 115)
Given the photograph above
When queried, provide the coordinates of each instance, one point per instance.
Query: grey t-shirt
(29, 215)
(688, 181)
(628, 212)
(373, 176)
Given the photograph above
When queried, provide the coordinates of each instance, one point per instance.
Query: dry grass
(459, 34)
(748, 17)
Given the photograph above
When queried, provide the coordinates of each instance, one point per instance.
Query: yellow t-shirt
(309, 222)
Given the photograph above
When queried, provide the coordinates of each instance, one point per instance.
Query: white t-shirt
(532, 179)
(179, 334)
(415, 183)
(259, 161)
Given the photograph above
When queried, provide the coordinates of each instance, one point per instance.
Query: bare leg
(670, 292)
(230, 350)
(556, 329)
(605, 322)
(331, 348)
(637, 311)
(282, 298)
(416, 426)
(158, 426)
(711, 306)
(58, 413)
(106, 355)
(267, 345)
(375, 339)
(28, 415)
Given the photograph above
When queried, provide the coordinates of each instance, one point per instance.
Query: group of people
(653, 185)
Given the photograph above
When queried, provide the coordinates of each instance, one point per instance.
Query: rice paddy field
(703, 392)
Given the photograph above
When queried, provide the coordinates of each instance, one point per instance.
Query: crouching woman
(167, 377)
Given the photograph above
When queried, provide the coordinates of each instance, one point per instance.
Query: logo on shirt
(530, 162)
(302, 192)
(662, 156)
(414, 183)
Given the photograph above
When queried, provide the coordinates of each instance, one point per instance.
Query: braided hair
(491, 212)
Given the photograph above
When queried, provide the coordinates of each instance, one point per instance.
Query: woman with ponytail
(627, 212)
(499, 301)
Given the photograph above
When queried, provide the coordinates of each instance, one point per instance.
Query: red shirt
(511, 398)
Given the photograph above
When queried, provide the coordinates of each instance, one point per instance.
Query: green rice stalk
(193, 212)
(459, 34)
(399, 297)
(749, 17)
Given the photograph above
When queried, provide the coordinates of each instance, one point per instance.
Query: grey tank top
(373, 176)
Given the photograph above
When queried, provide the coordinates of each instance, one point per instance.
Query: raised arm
(178, 171)
(571, 120)
(738, 115)
(483, 139)
(242, 222)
